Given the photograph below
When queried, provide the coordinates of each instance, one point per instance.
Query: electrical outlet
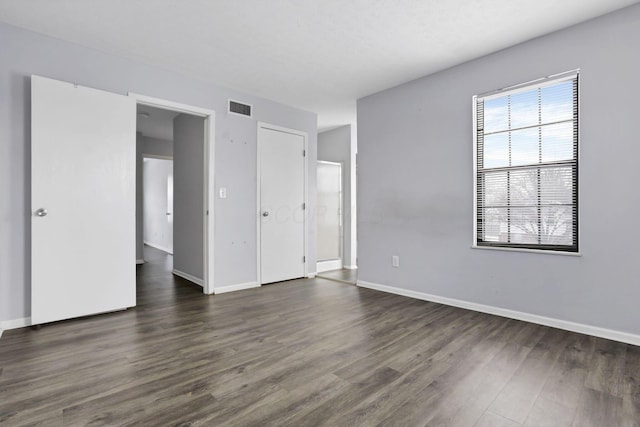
(395, 261)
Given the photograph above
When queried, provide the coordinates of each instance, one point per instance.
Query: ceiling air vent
(239, 108)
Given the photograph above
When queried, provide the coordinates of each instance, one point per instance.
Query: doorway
(337, 146)
(157, 204)
(172, 145)
(329, 216)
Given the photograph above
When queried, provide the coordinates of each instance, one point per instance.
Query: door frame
(305, 184)
(209, 182)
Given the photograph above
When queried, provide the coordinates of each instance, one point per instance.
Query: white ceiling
(158, 124)
(318, 55)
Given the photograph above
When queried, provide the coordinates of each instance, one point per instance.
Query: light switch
(223, 192)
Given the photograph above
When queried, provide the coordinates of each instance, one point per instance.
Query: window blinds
(527, 166)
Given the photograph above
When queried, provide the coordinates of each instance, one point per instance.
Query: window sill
(535, 251)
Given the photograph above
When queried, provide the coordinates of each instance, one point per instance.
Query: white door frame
(209, 183)
(305, 137)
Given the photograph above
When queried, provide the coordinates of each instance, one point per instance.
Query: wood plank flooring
(309, 353)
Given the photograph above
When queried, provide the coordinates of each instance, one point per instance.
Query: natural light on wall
(526, 177)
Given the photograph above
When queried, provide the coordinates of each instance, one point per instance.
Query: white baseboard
(595, 331)
(5, 325)
(351, 267)
(189, 277)
(333, 264)
(162, 248)
(233, 288)
(311, 275)
(139, 261)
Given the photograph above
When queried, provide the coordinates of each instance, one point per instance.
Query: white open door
(82, 199)
(282, 198)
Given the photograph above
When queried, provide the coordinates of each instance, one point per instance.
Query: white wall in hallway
(158, 226)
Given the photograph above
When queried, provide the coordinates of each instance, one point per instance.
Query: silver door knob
(265, 213)
(41, 212)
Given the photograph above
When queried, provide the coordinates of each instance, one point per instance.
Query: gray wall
(25, 53)
(188, 200)
(415, 196)
(335, 146)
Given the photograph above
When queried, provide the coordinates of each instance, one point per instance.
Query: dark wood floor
(307, 353)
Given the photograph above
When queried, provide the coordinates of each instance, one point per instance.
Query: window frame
(511, 90)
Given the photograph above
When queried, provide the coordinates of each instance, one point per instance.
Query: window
(526, 166)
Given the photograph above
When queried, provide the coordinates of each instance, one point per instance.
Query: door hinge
(304, 206)
(304, 259)
(304, 153)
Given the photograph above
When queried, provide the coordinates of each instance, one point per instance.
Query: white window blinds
(527, 166)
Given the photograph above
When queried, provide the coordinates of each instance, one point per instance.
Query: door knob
(265, 213)
(41, 212)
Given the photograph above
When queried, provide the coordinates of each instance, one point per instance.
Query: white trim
(209, 176)
(188, 277)
(305, 137)
(595, 331)
(209, 205)
(350, 267)
(332, 264)
(311, 275)
(238, 287)
(23, 322)
(159, 247)
(139, 261)
(165, 104)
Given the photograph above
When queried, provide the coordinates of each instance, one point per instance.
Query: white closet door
(82, 199)
(282, 221)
